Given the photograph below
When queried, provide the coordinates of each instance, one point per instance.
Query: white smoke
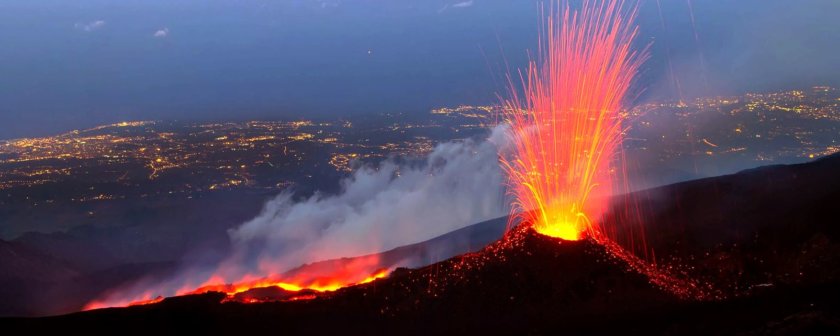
(378, 208)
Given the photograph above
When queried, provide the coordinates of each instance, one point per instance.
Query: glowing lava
(323, 285)
(566, 126)
(303, 283)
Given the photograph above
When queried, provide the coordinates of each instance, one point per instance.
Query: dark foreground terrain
(762, 243)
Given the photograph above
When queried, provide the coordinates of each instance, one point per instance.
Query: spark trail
(566, 125)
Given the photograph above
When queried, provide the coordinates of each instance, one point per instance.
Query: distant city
(668, 141)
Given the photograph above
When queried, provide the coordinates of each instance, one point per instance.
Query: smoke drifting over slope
(378, 208)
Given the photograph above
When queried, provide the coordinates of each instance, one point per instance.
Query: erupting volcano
(565, 131)
(565, 135)
(570, 203)
(566, 127)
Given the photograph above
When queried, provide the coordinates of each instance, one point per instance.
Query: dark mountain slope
(762, 227)
(768, 238)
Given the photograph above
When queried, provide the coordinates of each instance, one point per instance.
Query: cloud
(161, 33)
(463, 4)
(90, 26)
(329, 4)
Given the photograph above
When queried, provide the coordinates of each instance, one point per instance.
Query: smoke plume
(378, 208)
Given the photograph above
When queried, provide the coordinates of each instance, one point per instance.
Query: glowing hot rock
(566, 124)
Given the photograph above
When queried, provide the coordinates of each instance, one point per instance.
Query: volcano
(765, 240)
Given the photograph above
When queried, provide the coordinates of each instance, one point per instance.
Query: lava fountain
(566, 124)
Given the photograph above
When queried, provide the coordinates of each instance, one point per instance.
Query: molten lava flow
(566, 126)
(316, 285)
(298, 284)
(146, 302)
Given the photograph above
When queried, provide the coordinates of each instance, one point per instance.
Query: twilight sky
(67, 64)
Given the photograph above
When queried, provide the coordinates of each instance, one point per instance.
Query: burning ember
(566, 126)
(566, 129)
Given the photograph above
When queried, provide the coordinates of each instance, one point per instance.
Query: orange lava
(146, 302)
(319, 285)
(319, 277)
(566, 125)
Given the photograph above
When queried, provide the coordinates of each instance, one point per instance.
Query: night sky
(75, 64)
